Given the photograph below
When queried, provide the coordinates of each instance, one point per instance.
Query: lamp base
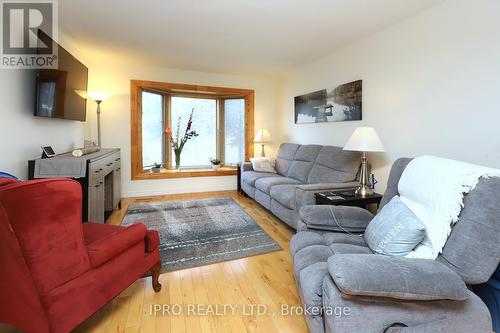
(363, 190)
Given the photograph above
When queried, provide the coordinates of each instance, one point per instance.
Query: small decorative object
(343, 103)
(156, 167)
(179, 142)
(215, 163)
(262, 136)
(364, 139)
(48, 152)
(98, 97)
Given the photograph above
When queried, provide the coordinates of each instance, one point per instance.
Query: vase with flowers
(179, 141)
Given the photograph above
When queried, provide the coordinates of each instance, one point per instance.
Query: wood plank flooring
(264, 280)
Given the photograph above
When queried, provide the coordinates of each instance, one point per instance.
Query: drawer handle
(118, 169)
(109, 164)
(117, 159)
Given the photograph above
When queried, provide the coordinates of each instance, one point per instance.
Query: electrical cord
(338, 224)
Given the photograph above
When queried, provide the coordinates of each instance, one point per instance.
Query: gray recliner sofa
(301, 170)
(354, 290)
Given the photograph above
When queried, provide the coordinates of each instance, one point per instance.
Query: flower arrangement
(178, 142)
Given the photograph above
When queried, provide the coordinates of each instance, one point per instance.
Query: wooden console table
(101, 183)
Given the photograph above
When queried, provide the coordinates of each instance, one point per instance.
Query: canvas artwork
(342, 103)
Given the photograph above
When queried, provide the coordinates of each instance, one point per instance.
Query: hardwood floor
(264, 279)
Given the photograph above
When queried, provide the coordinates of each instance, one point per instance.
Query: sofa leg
(155, 274)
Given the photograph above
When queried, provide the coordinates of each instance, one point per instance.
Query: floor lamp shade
(364, 139)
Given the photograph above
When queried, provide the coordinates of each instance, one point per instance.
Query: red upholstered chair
(55, 272)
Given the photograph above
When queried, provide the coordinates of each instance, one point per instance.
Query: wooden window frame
(136, 88)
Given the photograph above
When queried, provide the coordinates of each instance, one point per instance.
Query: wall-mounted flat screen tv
(60, 93)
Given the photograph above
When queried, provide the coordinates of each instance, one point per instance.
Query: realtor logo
(29, 29)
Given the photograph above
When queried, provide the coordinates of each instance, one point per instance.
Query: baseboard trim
(184, 190)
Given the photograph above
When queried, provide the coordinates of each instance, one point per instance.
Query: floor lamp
(98, 97)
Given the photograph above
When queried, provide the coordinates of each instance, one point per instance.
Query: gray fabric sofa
(377, 293)
(302, 170)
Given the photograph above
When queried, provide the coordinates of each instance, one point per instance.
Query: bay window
(223, 118)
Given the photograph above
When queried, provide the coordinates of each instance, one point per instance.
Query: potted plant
(215, 163)
(156, 167)
(178, 142)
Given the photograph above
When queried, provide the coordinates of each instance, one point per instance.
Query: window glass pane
(152, 129)
(198, 150)
(234, 129)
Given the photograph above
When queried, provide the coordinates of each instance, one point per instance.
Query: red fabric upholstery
(152, 240)
(53, 268)
(109, 246)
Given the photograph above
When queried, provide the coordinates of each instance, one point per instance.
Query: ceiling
(261, 37)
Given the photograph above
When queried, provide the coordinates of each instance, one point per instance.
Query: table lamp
(364, 139)
(262, 137)
(98, 97)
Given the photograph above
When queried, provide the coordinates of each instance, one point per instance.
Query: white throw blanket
(433, 188)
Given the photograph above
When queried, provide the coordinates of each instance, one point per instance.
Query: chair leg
(155, 274)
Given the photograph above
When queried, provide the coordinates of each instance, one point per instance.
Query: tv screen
(60, 92)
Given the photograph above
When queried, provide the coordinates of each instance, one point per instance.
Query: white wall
(431, 85)
(22, 134)
(115, 118)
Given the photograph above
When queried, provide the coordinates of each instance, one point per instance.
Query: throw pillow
(263, 164)
(395, 230)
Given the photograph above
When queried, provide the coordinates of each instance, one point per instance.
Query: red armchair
(55, 272)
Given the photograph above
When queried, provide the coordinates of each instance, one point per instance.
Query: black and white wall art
(342, 103)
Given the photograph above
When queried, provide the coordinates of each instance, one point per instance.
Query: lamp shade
(98, 95)
(262, 135)
(364, 139)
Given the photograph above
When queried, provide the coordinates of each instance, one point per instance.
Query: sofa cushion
(307, 238)
(265, 184)
(286, 153)
(303, 162)
(250, 177)
(340, 248)
(284, 194)
(333, 165)
(395, 230)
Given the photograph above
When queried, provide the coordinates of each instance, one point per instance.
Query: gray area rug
(201, 232)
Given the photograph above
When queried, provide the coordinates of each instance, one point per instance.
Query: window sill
(186, 173)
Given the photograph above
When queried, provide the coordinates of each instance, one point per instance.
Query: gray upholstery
(473, 249)
(395, 277)
(470, 256)
(335, 218)
(392, 182)
(264, 184)
(250, 177)
(302, 170)
(376, 314)
(263, 198)
(285, 157)
(334, 165)
(284, 194)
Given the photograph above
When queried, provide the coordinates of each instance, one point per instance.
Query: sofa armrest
(335, 218)
(246, 166)
(108, 247)
(328, 186)
(304, 194)
(395, 277)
